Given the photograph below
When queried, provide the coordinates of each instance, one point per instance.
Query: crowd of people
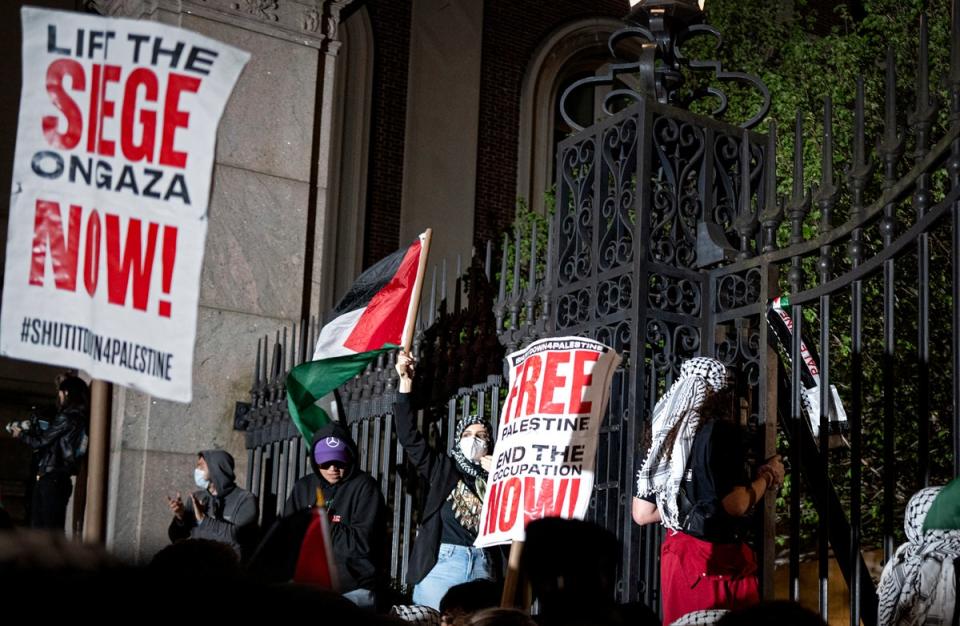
(694, 481)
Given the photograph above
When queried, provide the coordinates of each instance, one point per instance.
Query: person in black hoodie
(356, 509)
(443, 554)
(220, 511)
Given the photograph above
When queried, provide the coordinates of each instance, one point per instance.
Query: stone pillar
(260, 264)
(318, 295)
(443, 111)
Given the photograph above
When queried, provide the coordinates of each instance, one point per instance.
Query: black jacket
(358, 522)
(231, 515)
(55, 447)
(441, 474)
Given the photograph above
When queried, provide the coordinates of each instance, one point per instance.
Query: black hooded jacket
(231, 515)
(358, 522)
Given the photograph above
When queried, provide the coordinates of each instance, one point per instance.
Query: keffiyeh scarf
(663, 467)
(467, 502)
(918, 584)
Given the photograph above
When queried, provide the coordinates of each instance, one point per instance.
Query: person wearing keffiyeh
(443, 554)
(918, 585)
(697, 452)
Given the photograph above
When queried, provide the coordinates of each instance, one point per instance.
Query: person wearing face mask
(220, 510)
(443, 554)
(356, 511)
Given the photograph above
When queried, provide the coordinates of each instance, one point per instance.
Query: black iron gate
(670, 241)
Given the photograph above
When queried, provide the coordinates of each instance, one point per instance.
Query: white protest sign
(108, 208)
(545, 453)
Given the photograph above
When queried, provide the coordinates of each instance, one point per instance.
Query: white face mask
(200, 478)
(473, 448)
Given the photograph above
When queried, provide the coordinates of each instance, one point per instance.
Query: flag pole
(515, 590)
(414, 306)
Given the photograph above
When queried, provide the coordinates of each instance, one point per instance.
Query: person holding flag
(333, 525)
(355, 508)
(334, 518)
(443, 553)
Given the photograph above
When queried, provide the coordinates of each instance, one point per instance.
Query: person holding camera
(58, 446)
(694, 480)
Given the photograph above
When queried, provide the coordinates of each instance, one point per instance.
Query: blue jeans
(364, 598)
(455, 565)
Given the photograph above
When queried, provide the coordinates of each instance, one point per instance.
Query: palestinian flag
(370, 319)
(316, 563)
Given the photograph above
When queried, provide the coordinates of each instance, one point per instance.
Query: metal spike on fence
(303, 340)
(745, 223)
(500, 305)
(891, 148)
(798, 206)
(800, 201)
(772, 213)
(276, 362)
(516, 266)
(826, 193)
(549, 260)
(532, 274)
(458, 284)
(859, 128)
(433, 296)
(502, 294)
(293, 347)
(443, 284)
(266, 363)
(283, 350)
(256, 368)
(861, 169)
(488, 260)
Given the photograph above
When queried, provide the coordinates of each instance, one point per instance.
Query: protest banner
(108, 208)
(545, 452)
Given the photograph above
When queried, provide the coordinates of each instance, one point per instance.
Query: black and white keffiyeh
(416, 614)
(466, 466)
(701, 618)
(662, 470)
(467, 501)
(918, 584)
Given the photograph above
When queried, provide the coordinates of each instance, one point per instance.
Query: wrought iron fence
(670, 241)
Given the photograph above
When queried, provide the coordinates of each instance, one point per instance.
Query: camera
(23, 425)
(34, 422)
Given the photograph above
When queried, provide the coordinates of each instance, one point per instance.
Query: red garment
(697, 575)
(315, 565)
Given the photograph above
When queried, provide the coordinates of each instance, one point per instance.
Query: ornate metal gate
(670, 241)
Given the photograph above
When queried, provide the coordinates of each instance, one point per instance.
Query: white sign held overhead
(108, 207)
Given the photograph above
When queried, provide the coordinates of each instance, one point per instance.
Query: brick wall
(512, 30)
(390, 20)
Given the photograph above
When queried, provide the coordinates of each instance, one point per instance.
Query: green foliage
(801, 67)
(524, 224)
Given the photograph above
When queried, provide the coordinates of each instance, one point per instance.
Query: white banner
(546, 448)
(108, 210)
